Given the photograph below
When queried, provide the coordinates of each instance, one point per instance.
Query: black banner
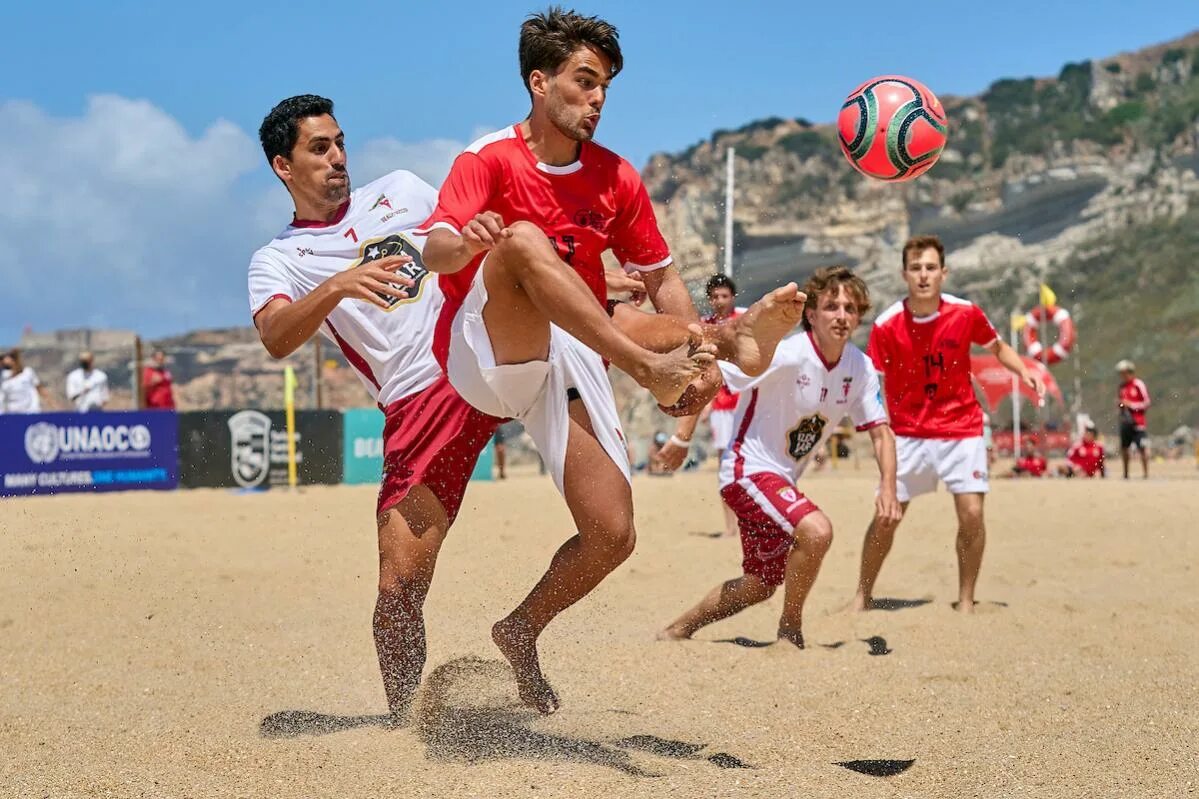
(248, 449)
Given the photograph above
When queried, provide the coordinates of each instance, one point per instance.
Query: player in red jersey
(921, 346)
(1085, 457)
(722, 294)
(349, 266)
(520, 225)
(1132, 400)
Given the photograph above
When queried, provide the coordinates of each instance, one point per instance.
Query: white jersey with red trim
(390, 349)
(787, 413)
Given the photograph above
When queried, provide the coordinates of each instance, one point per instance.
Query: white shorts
(960, 463)
(721, 423)
(534, 392)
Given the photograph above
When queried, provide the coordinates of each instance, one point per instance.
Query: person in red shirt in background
(921, 346)
(1133, 400)
(722, 295)
(156, 384)
(1031, 464)
(1085, 457)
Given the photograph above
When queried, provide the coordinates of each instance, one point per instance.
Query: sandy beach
(211, 644)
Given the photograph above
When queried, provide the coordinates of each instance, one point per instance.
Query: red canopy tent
(996, 384)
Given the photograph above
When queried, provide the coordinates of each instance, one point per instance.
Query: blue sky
(131, 126)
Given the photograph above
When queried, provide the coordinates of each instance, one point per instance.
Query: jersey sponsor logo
(249, 433)
(591, 219)
(397, 244)
(804, 437)
(788, 494)
(302, 251)
(845, 386)
(804, 381)
(980, 475)
(386, 203)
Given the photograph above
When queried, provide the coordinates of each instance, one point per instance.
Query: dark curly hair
(548, 39)
(720, 282)
(281, 127)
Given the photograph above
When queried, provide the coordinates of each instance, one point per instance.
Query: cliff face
(1038, 173)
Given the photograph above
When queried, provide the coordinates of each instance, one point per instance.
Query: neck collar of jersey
(550, 169)
(816, 347)
(923, 320)
(311, 223)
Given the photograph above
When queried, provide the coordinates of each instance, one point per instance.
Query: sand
(211, 644)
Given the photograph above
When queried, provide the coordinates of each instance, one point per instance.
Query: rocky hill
(1042, 179)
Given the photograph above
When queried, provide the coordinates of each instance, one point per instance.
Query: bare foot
(520, 649)
(760, 329)
(673, 634)
(861, 603)
(793, 636)
(966, 608)
(667, 375)
(698, 394)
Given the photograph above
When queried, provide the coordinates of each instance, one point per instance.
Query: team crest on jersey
(789, 495)
(804, 381)
(396, 244)
(804, 437)
(845, 386)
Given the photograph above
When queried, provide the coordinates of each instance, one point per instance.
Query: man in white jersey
(349, 266)
(783, 418)
(87, 386)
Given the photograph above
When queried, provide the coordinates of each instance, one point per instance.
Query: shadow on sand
(465, 713)
(893, 603)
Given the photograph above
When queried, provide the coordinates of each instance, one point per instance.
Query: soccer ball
(892, 128)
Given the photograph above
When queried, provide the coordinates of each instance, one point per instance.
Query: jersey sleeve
(982, 332)
(636, 240)
(876, 349)
(868, 410)
(1142, 396)
(465, 193)
(268, 280)
(737, 381)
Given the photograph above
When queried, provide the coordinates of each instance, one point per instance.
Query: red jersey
(724, 400)
(159, 395)
(1135, 398)
(595, 204)
(1088, 458)
(925, 363)
(1033, 465)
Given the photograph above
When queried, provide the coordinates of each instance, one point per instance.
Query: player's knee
(520, 250)
(615, 544)
(817, 533)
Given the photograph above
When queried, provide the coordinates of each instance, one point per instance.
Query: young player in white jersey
(349, 266)
(783, 417)
(921, 347)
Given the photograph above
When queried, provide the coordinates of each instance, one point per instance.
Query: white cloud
(120, 217)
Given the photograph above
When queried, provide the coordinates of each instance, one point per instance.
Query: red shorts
(432, 438)
(768, 510)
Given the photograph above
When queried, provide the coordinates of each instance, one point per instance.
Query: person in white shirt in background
(20, 389)
(87, 387)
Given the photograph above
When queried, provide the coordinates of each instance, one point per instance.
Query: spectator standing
(157, 387)
(87, 387)
(20, 389)
(1133, 400)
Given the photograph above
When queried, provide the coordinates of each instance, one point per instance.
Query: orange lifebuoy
(1060, 318)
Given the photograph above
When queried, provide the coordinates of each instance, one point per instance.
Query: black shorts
(1132, 436)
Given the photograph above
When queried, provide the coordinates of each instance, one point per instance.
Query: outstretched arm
(1011, 361)
(886, 504)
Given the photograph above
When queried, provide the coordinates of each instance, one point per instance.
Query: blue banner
(49, 453)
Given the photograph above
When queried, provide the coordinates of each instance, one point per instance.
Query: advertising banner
(363, 449)
(48, 453)
(248, 449)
